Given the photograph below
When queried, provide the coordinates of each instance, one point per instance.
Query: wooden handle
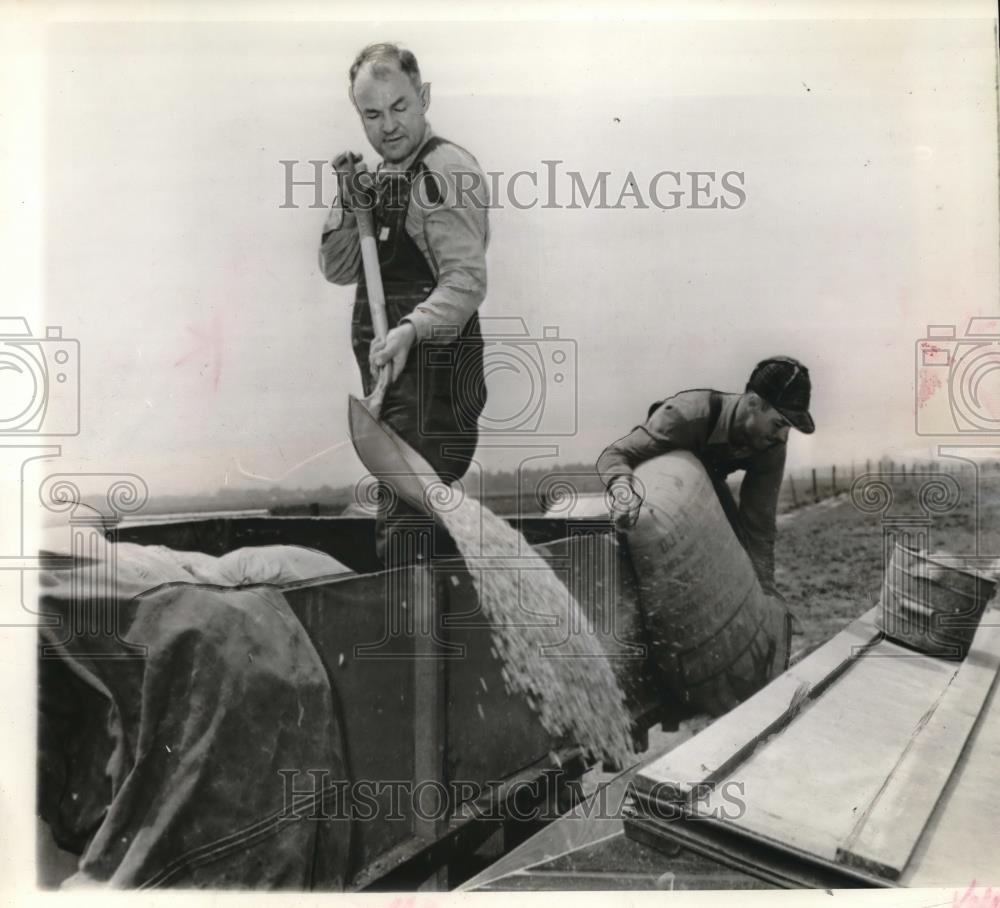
(376, 295)
(369, 259)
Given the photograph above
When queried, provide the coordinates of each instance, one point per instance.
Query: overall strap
(418, 167)
(428, 146)
(394, 188)
(714, 410)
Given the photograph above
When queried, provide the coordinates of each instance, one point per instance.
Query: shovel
(386, 456)
(379, 448)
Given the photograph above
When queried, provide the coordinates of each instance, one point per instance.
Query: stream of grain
(572, 686)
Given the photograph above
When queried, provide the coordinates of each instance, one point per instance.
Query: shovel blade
(390, 459)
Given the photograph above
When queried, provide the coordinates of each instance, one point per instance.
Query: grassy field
(829, 560)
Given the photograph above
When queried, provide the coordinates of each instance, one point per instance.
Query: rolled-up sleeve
(456, 233)
(340, 249)
(758, 510)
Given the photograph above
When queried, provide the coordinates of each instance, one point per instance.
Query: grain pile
(570, 684)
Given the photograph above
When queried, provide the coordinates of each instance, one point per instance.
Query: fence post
(815, 489)
(868, 465)
(791, 485)
(833, 475)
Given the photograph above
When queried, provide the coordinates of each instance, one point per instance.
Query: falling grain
(541, 636)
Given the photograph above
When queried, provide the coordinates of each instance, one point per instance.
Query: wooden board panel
(884, 738)
(373, 698)
(806, 787)
(776, 867)
(961, 841)
(887, 832)
(733, 738)
(904, 738)
(429, 706)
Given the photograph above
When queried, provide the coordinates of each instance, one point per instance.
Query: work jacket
(702, 422)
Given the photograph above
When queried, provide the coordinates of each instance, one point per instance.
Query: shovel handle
(369, 258)
(373, 281)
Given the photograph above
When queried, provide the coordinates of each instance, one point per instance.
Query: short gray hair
(379, 55)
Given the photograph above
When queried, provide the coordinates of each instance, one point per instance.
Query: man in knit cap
(726, 432)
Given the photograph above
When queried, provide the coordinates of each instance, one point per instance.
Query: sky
(213, 352)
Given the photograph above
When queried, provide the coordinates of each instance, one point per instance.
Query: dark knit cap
(784, 383)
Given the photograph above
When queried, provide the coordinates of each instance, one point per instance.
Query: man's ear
(425, 95)
(350, 94)
(755, 402)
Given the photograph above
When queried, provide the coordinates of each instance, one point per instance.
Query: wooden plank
(679, 775)
(961, 841)
(430, 708)
(373, 698)
(837, 757)
(833, 757)
(428, 701)
(777, 867)
(889, 828)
